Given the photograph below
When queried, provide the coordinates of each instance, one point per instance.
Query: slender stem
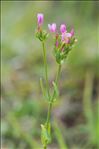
(56, 81)
(46, 78)
(45, 65)
(58, 74)
(49, 113)
(45, 147)
(51, 101)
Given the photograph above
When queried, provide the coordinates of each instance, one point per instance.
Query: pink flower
(72, 32)
(40, 19)
(63, 28)
(66, 37)
(52, 27)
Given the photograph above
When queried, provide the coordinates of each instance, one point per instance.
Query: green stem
(49, 113)
(56, 81)
(51, 101)
(45, 65)
(45, 147)
(58, 74)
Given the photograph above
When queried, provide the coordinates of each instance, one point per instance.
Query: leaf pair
(45, 134)
(42, 35)
(45, 95)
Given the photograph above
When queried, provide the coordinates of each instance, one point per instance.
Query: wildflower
(63, 28)
(52, 27)
(66, 37)
(40, 19)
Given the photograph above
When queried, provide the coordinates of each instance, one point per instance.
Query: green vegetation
(75, 118)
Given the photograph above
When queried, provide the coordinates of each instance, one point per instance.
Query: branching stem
(47, 86)
(52, 98)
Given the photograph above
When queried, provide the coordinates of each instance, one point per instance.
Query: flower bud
(56, 44)
(76, 40)
(63, 28)
(40, 19)
(57, 36)
(52, 27)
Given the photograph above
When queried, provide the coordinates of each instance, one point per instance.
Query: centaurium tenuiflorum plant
(63, 43)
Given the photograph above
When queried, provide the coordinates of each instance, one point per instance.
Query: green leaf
(45, 35)
(48, 126)
(58, 56)
(59, 136)
(45, 135)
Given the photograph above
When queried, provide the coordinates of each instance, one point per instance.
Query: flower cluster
(64, 41)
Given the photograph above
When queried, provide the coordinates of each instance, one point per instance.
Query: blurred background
(75, 115)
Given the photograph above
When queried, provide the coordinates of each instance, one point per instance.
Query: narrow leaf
(45, 136)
